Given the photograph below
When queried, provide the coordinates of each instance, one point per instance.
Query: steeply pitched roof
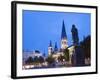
(50, 44)
(55, 48)
(63, 34)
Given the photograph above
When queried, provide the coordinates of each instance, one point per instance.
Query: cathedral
(55, 52)
(66, 55)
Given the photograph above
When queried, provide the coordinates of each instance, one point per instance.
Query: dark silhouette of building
(80, 57)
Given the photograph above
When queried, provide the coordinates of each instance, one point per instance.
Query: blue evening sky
(39, 27)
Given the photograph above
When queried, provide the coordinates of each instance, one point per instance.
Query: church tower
(55, 48)
(50, 48)
(64, 44)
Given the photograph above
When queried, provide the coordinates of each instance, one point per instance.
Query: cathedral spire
(55, 48)
(64, 44)
(50, 44)
(63, 34)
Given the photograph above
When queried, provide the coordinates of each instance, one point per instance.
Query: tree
(29, 60)
(66, 54)
(50, 59)
(41, 59)
(36, 59)
(60, 58)
(86, 45)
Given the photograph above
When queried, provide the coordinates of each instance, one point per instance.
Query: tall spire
(50, 45)
(55, 48)
(64, 44)
(63, 34)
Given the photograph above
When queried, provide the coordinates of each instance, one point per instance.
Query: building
(66, 55)
(55, 52)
